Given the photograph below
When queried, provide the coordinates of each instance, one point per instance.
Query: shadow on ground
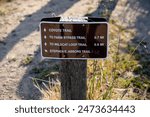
(141, 8)
(26, 89)
(104, 9)
(31, 22)
(142, 38)
(141, 24)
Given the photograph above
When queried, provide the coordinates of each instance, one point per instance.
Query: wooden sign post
(73, 79)
(74, 41)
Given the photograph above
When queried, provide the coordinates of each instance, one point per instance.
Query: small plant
(26, 61)
(119, 72)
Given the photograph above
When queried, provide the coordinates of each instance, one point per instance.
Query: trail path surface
(20, 38)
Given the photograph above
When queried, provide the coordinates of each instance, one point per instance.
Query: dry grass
(49, 89)
(118, 77)
(113, 78)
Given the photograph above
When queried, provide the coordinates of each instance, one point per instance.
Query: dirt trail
(19, 36)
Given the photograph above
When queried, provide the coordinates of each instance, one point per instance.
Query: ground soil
(20, 37)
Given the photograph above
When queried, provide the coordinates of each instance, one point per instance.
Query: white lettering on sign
(54, 30)
(99, 37)
(67, 37)
(68, 44)
(58, 51)
(74, 51)
(86, 51)
(71, 51)
(59, 30)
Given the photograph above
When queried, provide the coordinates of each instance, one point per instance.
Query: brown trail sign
(74, 40)
(78, 40)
